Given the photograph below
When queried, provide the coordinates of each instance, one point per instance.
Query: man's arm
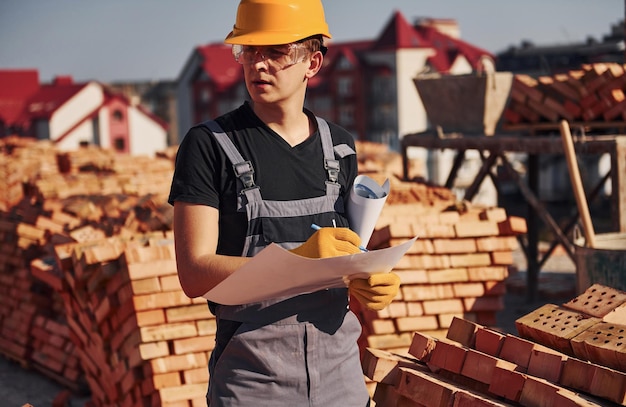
(195, 240)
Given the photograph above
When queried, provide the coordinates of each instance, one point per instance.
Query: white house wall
(146, 136)
(411, 114)
(104, 127)
(82, 104)
(461, 66)
(82, 133)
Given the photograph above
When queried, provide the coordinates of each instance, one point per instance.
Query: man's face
(274, 72)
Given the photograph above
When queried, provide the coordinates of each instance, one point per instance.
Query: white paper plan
(277, 273)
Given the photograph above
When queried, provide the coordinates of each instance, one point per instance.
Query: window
(346, 116)
(118, 116)
(205, 95)
(344, 64)
(119, 144)
(344, 87)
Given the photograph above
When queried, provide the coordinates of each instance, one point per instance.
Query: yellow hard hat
(274, 22)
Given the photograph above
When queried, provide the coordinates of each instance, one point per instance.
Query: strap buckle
(245, 173)
(333, 168)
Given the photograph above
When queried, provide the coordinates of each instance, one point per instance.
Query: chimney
(63, 80)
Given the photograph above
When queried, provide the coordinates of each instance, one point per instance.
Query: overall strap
(243, 168)
(330, 163)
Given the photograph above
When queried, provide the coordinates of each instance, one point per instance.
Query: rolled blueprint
(365, 203)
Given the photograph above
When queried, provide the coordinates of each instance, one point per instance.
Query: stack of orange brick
(141, 341)
(21, 160)
(33, 326)
(593, 93)
(456, 269)
(478, 366)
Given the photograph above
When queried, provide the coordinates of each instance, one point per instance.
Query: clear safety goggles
(278, 56)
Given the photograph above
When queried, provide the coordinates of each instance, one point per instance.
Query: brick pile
(89, 294)
(456, 269)
(593, 93)
(140, 339)
(563, 356)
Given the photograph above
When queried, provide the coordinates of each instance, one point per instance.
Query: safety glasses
(278, 56)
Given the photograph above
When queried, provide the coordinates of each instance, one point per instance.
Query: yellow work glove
(329, 242)
(377, 291)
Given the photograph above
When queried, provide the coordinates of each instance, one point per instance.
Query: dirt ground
(20, 386)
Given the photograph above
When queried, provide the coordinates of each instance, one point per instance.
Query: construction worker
(262, 173)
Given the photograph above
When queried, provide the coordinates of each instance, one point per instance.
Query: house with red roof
(365, 86)
(73, 114)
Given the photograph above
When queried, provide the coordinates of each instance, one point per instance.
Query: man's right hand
(329, 242)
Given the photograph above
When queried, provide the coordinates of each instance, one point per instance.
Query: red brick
(517, 350)
(170, 283)
(448, 355)
(206, 327)
(428, 261)
(546, 363)
(476, 228)
(188, 313)
(445, 320)
(489, 341)
(389, 341)
(445, 246)
(397, 309)
(447, 275)
(417, 323)
(480, 366)
(514, 225)
(413, 276)
(413, 308)
(470, 260)
(538, 392)
(463, 331)
(150, 317)
(427, 292)
(160, 300)
(144, 254)
(488, 273)
(609, 384)
(153, 350)
(148, 285)
(507, 383)
(434, 307)
(194, 344)
(502, 258)
(177, 362)
(383, 366)
(139, 271)
(425, 388)
(462, 290)
(495, 288)
(383, 326)
(483, 304)
(168, 331)
(499, 243)
(184, 392)
(200, 375)
(422, 346)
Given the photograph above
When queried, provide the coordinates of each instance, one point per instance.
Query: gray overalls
(298, 351)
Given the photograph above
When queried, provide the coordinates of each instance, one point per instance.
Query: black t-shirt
(204, 174)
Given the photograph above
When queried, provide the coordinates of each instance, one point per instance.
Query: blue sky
(117, 40)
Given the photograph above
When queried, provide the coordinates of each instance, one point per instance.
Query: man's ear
(315, 64)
